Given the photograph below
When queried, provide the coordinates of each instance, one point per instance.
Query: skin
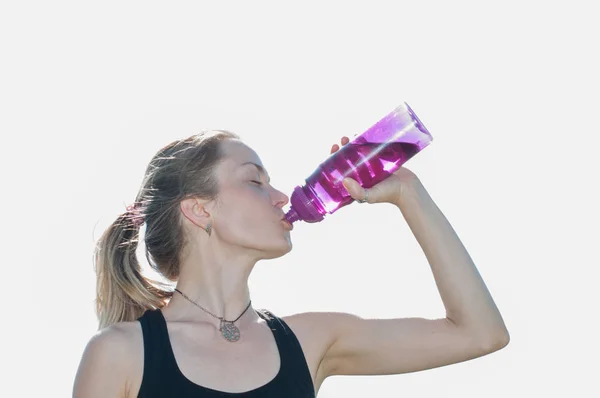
(247, 227)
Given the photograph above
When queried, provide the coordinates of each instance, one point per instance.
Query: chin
(278, 250)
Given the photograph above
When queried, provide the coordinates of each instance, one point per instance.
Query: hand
(390, 190)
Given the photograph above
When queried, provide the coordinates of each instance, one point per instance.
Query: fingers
(336, 147)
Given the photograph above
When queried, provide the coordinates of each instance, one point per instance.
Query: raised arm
(472, 327)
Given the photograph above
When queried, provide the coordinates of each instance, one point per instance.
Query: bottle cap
(303, 208)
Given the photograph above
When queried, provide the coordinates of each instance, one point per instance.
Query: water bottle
(369, 158)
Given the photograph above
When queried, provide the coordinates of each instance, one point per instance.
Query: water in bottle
(369, 158)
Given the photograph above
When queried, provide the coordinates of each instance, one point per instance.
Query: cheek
(244, 214)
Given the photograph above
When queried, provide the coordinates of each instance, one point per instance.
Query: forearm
(466, 298)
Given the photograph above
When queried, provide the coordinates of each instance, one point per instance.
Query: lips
(287, 225)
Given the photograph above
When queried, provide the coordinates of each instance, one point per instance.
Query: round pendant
(230, 331)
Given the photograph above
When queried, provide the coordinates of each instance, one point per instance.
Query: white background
(509, 91)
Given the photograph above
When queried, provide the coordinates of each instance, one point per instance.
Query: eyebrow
(260, 169)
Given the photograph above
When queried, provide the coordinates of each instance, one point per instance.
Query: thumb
(353, 188)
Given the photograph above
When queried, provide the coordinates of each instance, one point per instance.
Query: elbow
(487, 339)
(505, 339)
(496, 343)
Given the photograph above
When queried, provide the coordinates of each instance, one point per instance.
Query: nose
(280, 199)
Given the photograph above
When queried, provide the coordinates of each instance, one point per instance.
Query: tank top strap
(294, 367)
(159, 363)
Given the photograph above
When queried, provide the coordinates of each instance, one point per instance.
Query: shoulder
(122, 337)
(111, 360)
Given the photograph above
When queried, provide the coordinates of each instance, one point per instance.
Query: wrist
(411, 191)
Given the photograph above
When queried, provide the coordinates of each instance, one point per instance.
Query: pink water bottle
(369, 158)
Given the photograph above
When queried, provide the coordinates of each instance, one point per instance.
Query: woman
(210, 215)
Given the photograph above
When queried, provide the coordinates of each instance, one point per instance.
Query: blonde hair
(184, 168)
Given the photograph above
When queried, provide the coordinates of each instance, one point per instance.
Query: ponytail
(122, 292)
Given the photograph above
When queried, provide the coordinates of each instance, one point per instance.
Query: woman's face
(249, 210)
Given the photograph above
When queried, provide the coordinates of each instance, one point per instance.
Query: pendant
(230, 331)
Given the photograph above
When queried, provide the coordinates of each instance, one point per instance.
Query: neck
(219, 284)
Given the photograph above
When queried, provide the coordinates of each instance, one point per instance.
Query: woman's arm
(473, 326)
(468, 303)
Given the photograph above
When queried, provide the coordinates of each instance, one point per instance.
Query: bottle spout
(292, 216)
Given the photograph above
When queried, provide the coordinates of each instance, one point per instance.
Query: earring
(208, 229)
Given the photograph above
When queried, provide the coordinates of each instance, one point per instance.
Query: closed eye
(256, 182)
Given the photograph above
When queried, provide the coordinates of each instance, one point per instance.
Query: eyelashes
(256, 182)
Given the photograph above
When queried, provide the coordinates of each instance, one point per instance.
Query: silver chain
(210, 313)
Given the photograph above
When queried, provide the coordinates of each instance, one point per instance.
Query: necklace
(227, 328)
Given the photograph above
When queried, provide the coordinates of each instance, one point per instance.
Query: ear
(197, 211)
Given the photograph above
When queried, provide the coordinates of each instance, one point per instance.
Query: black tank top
(162, 377)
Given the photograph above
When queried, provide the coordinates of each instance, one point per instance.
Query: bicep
(103, 368)
(395, 346)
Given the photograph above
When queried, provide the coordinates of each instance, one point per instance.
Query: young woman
(210, 214)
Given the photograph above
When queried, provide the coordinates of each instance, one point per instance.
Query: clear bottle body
(369, 158)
